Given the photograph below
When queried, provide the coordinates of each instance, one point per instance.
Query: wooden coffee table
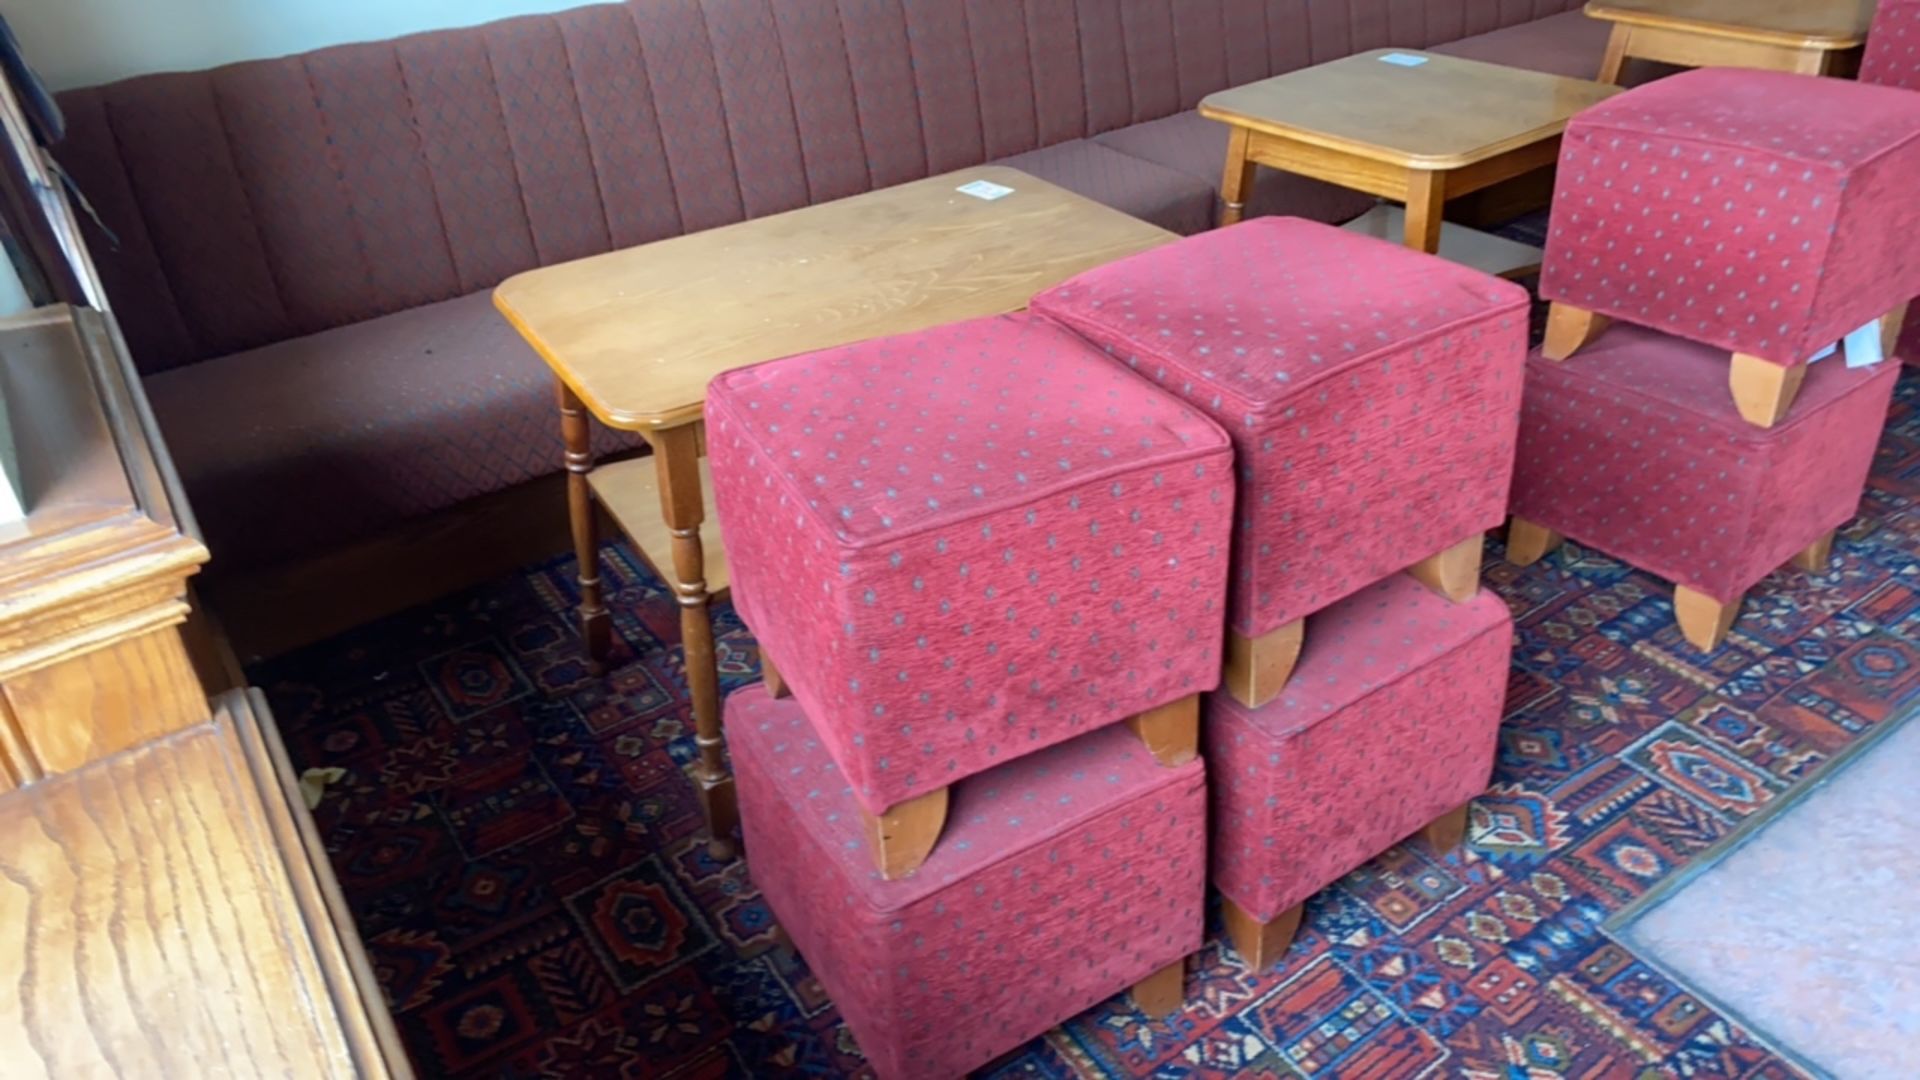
(1811, 37)
(1411, 126)
(634, 337)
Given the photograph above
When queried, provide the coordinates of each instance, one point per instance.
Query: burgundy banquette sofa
(301, 250)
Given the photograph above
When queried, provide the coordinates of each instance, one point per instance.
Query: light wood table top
(1445, 113)
(639, 333)
(1828, 24)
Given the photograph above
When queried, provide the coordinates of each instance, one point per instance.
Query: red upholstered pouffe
(966, 544)
(1371, 391)
(1388, 726)
(1628, 448)
(1893, 45)
(1761, 212)
(1067, 876)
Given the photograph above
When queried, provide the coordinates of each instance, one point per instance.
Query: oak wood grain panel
(98, 703)
(639, 333)
(147, 927)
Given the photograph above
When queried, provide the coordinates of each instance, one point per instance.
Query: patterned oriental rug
(519, 840)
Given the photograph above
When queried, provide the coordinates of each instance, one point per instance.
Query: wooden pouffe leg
(1815, 556)
(1445, 832)
(1570, 329)
(1258, 667)
(1763, 391)
(903, 836)
(1890, 326)
(1528, 543)
(1453, 573)
(1260, 943)
(1704, 621)
(770, 675)
(1171, 731)
(1161, 994)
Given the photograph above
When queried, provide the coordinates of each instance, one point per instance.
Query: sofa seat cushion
(326, 438)
(1167, 198)
(1191, 144)
(1570, 44)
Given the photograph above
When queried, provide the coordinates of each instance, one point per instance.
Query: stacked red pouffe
(990, 569)
(1743, 223)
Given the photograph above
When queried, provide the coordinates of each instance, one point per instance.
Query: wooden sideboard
(166, 906)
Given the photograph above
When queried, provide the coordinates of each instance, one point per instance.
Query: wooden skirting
(272, 610)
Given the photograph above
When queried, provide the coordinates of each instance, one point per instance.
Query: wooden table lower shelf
(629, 491)
(1462, 244)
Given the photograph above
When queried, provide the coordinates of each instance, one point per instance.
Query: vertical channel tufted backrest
(276, 198)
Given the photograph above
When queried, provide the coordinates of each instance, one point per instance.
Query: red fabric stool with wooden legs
(966, 544)
(1372, 393)
(1631, 448)
(1764, 213)
(1389, 727)
(1893, 45)
(1067, 876)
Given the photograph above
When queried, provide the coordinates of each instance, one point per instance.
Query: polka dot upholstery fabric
(1634, 447)
(1372, 394)
(1893, 45)
(1063, 878)
(1390, 720)
(1758, 211)
(965, 544)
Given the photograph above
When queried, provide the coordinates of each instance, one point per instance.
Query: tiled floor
(1809, 930)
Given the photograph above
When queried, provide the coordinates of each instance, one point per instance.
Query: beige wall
(82, 42)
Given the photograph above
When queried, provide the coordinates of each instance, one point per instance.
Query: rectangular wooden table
(1811, 37)
(634, 336)
(1406, 125)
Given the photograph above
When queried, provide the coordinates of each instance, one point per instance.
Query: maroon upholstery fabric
(968, 543)
(1062, 878)
(314, 441)
(1633, 447)
(1391, 718)
(267, 201)
(1570, 44)
(1758, 211)
(1191, 144)
(1371, 392)
(1169, 199)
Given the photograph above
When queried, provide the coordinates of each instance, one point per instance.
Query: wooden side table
(1411, 126)
(634, 336)
(1810, 37)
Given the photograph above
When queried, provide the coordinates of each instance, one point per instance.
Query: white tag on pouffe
(1824, 353)
(1863, 346)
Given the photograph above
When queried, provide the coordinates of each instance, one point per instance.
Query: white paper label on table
(1403, 59)
(984, 189)
(1863, 346)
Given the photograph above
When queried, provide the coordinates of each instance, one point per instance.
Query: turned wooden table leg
(1260, 943)
(676, 456)
(1236, 183)
(576, 430)
(1615, 57)
(1258, 667)
(1528, 543)
(1426, 209)
(1454, 572)
(770, 676)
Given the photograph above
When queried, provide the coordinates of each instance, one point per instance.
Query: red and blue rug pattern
(519, 841)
